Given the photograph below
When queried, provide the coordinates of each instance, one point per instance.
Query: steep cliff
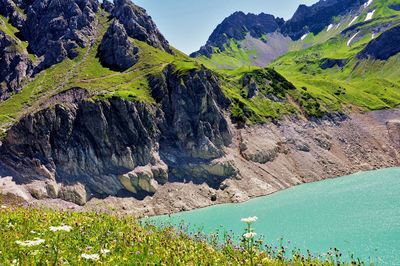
(115, 146)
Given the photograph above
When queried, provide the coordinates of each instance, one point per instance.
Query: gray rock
(55, 29)
(97, 142)
(115, 50)
(15, 66)
(74, 193)
(139, 25)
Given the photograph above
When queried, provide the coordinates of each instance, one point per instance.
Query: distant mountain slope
(308, 26)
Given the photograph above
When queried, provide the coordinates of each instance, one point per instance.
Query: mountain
(308, 26)
(94, 103)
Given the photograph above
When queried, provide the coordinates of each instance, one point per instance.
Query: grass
(103, 239)
(11, 31)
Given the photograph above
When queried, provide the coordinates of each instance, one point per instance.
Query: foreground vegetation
(43, 237)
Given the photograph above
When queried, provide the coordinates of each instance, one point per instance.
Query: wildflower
(90, 256)
(33, 232)
(30, 243)
(249, 220)
(65, 228)
(10, 225)
(104, 251)
(3, 206)
(250, 235)
(14, 262)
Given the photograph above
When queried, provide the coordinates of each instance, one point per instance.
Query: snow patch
(304, 36)
(367, 4)
(354, 19)
(329, 27)
(370, 15)
(351, 39)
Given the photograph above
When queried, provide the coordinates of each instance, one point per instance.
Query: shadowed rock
(15, 66)
(55, 29)
(383, 47)
(115, 50)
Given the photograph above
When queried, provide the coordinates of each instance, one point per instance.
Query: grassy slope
(121, 241)
(318, 91)
(87, 72)
(365, 85)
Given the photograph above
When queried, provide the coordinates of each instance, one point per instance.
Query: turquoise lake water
(357, 214)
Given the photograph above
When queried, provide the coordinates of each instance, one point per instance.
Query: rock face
(15, 66)
(9, 9)
(90, 142)
(236, 27)
(383, 47)
(115, 50)
(316, 17)
(56, 28)
(115, 146)
(139, 25)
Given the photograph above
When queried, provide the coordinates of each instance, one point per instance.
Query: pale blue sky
(187, 24)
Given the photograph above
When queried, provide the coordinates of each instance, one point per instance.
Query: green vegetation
(356, 85)
(311, 90)
(11, 31)
(230, 58)
(41, 237)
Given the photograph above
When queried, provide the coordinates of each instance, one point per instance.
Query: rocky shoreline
(269, 158)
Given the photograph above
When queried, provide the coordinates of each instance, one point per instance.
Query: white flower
(30, 243)
(65, 228)
(250, 235)
(90, 256)
(33, 232)
(3, 206)
(10, 225)
(14, 262)
(105, 251)
(249, 220)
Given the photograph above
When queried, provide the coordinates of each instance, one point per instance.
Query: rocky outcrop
(115, 50)
(114, 146)
(193, 105)
(12, 10)
(55, 29)
(316, 17)
(236, 27)
(330, 63)
(15, 66)
(93, 142)
(107, 6)
(384, 46)
(139, 25)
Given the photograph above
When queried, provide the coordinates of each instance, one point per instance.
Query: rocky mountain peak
(237, 26)
(139, 25)
(316, 17)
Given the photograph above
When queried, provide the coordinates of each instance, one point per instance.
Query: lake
(357, 214)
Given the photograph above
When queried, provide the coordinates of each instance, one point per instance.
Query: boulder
(140, 179)
(74, 193)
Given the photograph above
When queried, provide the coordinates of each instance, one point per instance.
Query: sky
(187, 24)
